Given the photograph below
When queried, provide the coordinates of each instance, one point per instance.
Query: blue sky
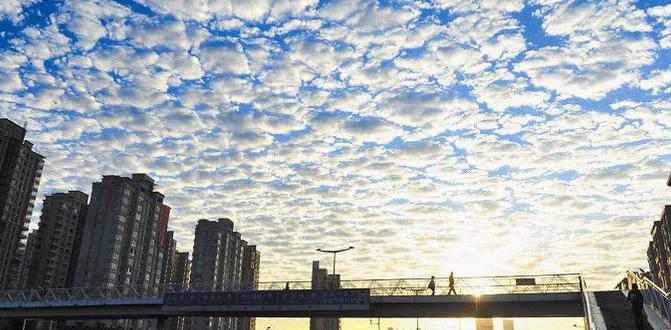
(481, 137)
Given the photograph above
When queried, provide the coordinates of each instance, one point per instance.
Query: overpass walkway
(544, 295)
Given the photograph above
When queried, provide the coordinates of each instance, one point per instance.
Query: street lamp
(334, 254)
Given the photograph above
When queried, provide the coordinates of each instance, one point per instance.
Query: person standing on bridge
(452, 285)
(635, 298)
(432, 286)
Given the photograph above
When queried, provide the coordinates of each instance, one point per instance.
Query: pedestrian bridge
(545, 295)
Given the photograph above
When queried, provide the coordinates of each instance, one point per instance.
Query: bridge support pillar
(157, 323)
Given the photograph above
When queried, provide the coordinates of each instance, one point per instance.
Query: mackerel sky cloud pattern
(422, 132)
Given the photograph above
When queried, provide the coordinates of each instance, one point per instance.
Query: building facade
(181, 276)
(27, 261)
(120, 239)
(183, 269)
(169, 270)
(218, 253)
(250, 272)
(20, 172)
(168, 261)
(57, 240)
(659, 248)
(322, 280)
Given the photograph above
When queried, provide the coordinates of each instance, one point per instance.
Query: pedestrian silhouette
(287, 287)
(452, 285)
(635, 298)
(432, 286)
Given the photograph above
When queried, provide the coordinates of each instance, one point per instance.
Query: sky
(486, 137)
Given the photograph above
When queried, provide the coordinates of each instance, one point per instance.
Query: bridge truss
(482, 285)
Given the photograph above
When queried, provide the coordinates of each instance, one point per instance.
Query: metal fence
(652, 293)
(593, 317)
(515, 284)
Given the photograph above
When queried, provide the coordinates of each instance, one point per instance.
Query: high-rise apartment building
(120, 239)
(217, 262)
(27, 261)
(20, 172)
(163, 246)
(322, 280)
(181, 276)
(205, 258)
(659, 249)
(251, 264)
(168, 261)
(57, 240)
(658, 257)
(183, 269)
(169, 271)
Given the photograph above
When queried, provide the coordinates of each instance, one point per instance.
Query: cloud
(588, 72)
(10, 82)
(658, 79)
(224, 58)
(12, 10)
(370, 129)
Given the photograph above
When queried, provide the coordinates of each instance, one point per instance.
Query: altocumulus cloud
(517, 137)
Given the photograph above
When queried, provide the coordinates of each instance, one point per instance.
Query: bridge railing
(516, 284)
(654, 295)
(547, 283)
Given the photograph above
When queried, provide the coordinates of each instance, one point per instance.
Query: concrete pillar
(157, 323)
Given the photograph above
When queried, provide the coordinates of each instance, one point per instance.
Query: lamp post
(334, 254)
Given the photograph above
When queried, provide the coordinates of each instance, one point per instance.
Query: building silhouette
(321, 280)
(120, 241)
(173, 274)
(660, 247)
(182, 276)
(217, 263)
(57, 240)
(20, 172)
(27, 261)
(163, 246)
(168, 260)
(251, 264)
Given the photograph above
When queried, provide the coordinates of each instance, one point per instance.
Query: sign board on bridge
(345, 299)
(525, 281)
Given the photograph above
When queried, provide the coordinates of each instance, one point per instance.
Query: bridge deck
(498, 305)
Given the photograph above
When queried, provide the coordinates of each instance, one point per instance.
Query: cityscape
(335, 164)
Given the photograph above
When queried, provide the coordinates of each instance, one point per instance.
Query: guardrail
(512, 284)
(593, 317)
(652, 294)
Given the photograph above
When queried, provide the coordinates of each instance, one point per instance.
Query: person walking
(452, 285)
(432, 286)
(287, 286)
(635, 298)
